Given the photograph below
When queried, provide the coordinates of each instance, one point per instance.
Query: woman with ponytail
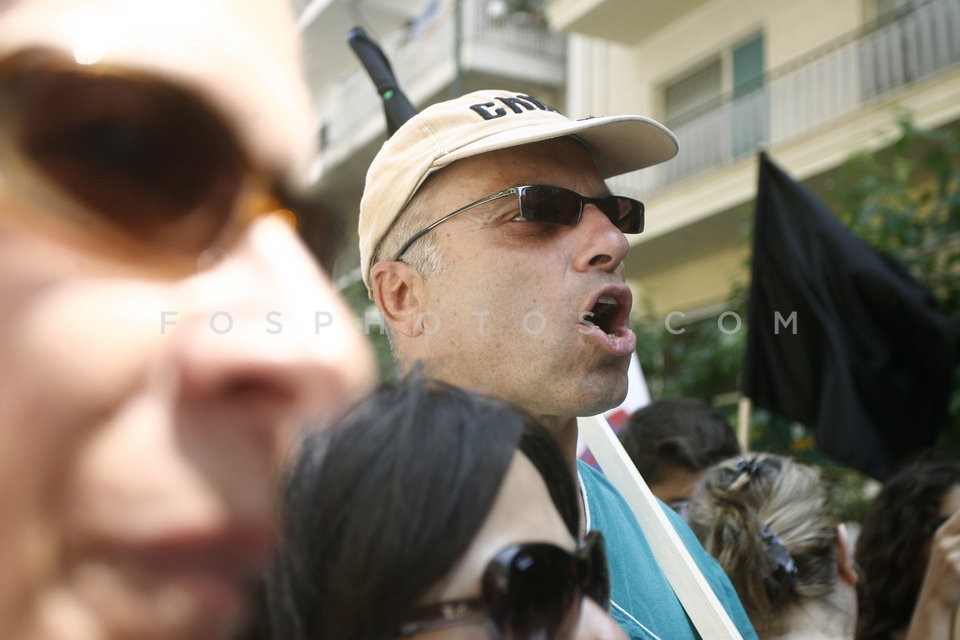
(767, 521)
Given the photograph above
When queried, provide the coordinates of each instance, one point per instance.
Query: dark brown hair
(891, 553)
(378, 510)
(677, 432)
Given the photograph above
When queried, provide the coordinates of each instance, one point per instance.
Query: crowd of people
(169, 470)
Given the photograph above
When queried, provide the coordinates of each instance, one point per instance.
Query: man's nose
(600, 244)
(266, 325)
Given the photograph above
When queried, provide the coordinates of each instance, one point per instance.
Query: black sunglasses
(553, 205)
(530, 591)
(135, 155)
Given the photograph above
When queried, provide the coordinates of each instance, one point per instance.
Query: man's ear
(399, 292)
(845, 556)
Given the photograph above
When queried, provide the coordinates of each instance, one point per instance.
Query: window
(719, 108)
(694, 94)
(749, 113)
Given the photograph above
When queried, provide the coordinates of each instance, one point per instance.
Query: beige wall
(693, 267)
(602, 78)
(609, 77)
(704, 280)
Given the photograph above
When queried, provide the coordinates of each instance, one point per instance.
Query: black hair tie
(750, 466)
(780, 554)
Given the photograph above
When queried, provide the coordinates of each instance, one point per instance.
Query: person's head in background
(768, 522)
(673, 441)
(433, 512)
(894, 543)
(146, 398)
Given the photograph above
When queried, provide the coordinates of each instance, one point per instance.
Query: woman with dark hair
(434, 512)
(910, 580)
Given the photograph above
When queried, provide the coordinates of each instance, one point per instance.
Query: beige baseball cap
(486, 121)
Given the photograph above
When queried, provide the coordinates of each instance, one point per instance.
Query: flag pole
(744, 409)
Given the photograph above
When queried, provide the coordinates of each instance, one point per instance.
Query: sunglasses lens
(534, 592)
(555, 205)
(596, 576)
(625, 213)
(146, 159)
(540, 203)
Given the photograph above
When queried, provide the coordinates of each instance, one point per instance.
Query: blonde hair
(767, 521)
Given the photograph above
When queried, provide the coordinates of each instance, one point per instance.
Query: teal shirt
(642, 601)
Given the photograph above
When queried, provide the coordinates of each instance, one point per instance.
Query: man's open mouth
(609, 310)
(605, 313)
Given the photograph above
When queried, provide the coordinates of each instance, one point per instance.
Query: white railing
(809, 94)
(519, 32)
(352, 103)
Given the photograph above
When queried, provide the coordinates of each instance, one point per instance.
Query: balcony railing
(418, 52)
(838, 80)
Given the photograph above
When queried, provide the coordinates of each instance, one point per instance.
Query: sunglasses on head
(531, 591)
(553, 205)
(124, 155)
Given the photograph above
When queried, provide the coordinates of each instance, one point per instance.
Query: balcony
(626, 21)
(324, 25)
(869, 72)
(496, 50)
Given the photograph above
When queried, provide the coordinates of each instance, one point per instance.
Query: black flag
(841, 337)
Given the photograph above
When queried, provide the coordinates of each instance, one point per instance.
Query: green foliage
(700, 359)
(904, 200)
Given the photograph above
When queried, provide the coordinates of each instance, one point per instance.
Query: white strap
(695, 594)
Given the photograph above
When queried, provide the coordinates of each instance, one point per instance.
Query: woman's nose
(266, 323)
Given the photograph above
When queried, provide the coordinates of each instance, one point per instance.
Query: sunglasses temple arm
(429, 228)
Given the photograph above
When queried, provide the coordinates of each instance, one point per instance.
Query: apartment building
(811, 81)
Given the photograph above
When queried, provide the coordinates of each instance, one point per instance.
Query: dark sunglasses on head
(131, 152)
(553, 205)
(530, 591)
